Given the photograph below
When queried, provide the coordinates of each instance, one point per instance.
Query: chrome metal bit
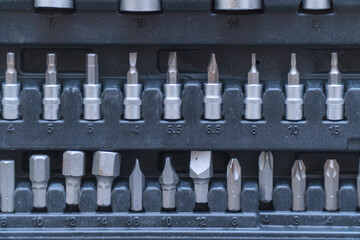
(137, 186)
(266, 176)
(7, 185)
(253, 75)
(51, 72)
(331, 183)
(133, 74)
(169, 181)
(334, 74)
(213, 92)
(10, 74)
(298, 185)
(172, 74)
(293, 76)
(213, 71)
(233, 185)
(39, 171)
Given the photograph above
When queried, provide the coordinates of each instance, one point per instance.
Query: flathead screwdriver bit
(168, 181)
(137, 186)
(266, 176)
(39, 175)
(298, 185)
(201, 170)
(233, 185)
(253, 93)
(11, 91)
(7, 185)
(331, 183)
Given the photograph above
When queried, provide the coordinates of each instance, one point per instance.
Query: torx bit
(266, 176)
(39, 175)
(293, 76)
(298, 185)
(137, 186)
(73, 170)
(253, 93)
(201, 170)
(51, 90)
(7, 185)
(334, 92)
(358, 185)
(92, 89)
(169, 181)
(106, 167)
(233, 185)
(331, 183)
(213, 92)
(11, 91)
(132, 101)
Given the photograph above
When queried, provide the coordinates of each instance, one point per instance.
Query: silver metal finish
(140, 5)
(92, 89)
(316, 4)
(51, 90)
(132, 101)
(331, 183)
(298, 185)
(358, 185)
(54, 4)
(7, 185)
(106, 167)
(137, 186)
(172, 91)
(253, 93)
(213, 92)
(233, 185)
(233, 5)
(73, 170)
(201, 170)
(169, 181)
(39, 176)
(266, 176)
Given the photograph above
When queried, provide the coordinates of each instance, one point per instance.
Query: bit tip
(168, 176)
(11, 74)
(92, 69)
(132, 76)
(137, 179)
(172, 72)
(298, 171)
(334, 74)
(213, 71)
(234, 169)
(331, 168)
(253, 75)
(266, 160)
(293, 76)
(51, 72)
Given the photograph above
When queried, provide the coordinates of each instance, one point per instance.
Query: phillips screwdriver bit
(11, 91)
(73, 170)
(92, 89)
(298, 185)
(201, 170)
(39, 175)
(137, 186)
(7, 185)
(169, 181)
(51, 90)
(266, 176)
(253, 93)
(172, 91)
(106, 167)
(213, 92)
(334, 92)
(132, 101)
(294, 93)
(233, 185)
(331, 183)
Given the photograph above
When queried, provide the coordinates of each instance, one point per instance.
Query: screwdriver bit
(233, 185)
(73, 170)
(132, 101)
(253, 93)
(68, 4)
(51, 90)
(294, 93)
(266, 176)
(11, 91)
(137, 186)
(172, 91)
(169, 181)
(201, 170)
(298, 185)
(334, 92)
(39, 175)
(331, 183)
(106, 167)
(237, 5)
(92, 89)
(213, 92)
(7, 185)
(316, 5)
(140, 5)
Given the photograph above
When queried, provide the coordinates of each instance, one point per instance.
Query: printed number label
(167, 221)
(10, 128)
(91, 128)
(174, 130)
(136, 129)
(101, 221)
(213, 129)
(233, 23)
(140, 22)
(234, 221)
(296, 220)
(334, 130)
(293, 129)
(70, 222)
(201, 221)
(133, 222)
(38, 221)
(50, 128)
(4, 222)
(254, 130)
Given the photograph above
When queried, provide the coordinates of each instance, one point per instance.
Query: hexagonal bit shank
(169, 181)
(137, 186)
(233, 184)
(266, 176)
(298, 185)
(39, 176)
(331, 183)
(7, 185)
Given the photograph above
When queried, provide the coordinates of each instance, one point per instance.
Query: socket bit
(169, 181)
(73, 170)
(298, 185)
(140, 5)
(316, 5)
(331, 183)
(39, 175)
(201, 170)
(7, 185)
(266, 176)
(233, 185)
(213, 92)
(106, 167)
(11, 91)
(238, 5)
(137, 186)
(69, 4)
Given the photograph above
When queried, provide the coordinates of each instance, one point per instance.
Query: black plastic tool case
(194, 30)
